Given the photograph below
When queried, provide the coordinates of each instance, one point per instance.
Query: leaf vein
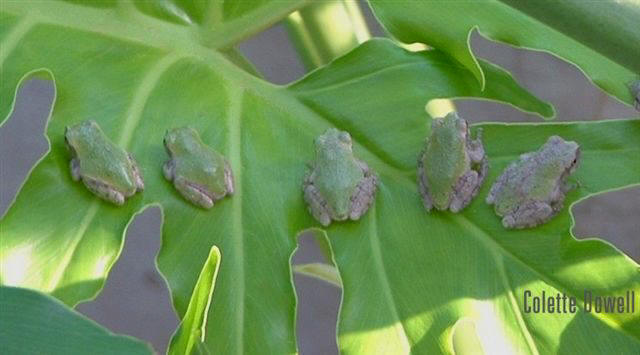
(133, 114)
(18, 32)
(234, 122)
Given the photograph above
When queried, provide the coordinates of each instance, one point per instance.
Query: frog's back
(515, 186)
(339, 180)
(104, 161)
(205, 167)
(447, 162)
(530, 179)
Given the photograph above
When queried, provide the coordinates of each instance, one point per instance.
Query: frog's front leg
(192, 193)
(103, 190)
(530, 214)
(364, 194)
(167, 170)
(465, 189)
(475, 148)
(74, 166)
(317, 205)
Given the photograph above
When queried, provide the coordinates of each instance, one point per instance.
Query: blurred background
(135, 299)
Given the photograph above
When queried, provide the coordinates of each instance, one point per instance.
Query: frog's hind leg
(103, 191)
(364, 195)
(464, 191)
(529, 215)
(136, 174)
(193, 194)
(317, 205)
(228, 178)
(422, 187)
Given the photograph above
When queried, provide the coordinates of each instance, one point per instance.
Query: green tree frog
(338, 186)
(451, 166)
(532, 189)
(105, 169)
(199, 173)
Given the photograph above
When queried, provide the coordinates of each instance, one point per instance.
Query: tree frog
(532, 189)
(451, 166)
(338, 185)
(105, 169)
(201, 174)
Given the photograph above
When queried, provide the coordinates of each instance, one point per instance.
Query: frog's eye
(345, 137)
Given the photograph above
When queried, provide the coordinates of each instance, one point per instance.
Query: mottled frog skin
(532, 189)
(338, 185)
(201, 174)
(452, 166)
(105, 169)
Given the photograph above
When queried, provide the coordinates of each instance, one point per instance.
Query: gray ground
(135, 299)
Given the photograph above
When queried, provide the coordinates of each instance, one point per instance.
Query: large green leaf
(33, 323)
(409, 275)
(139, 78)
(601, 37)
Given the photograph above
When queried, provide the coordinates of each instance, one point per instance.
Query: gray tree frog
(338, 185)
(451, 166)
(105, 169)
(201, 174)
(532, 189)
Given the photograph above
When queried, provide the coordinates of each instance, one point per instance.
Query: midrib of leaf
(234, 122)
(493, 245)
(251, 23)
(382, 273)
(347, 81)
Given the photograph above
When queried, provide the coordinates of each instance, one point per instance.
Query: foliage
(600, 37)
(32, 322)
(140, 68)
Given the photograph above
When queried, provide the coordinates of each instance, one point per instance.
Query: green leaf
(33, 323)
(409, 275)
(136, 79)
(600, 37)
(192, 328)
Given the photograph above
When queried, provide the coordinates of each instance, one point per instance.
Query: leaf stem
(325, 30)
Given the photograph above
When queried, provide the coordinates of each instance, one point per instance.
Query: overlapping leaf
(137, 80)
(33, 323)
(601, 37)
